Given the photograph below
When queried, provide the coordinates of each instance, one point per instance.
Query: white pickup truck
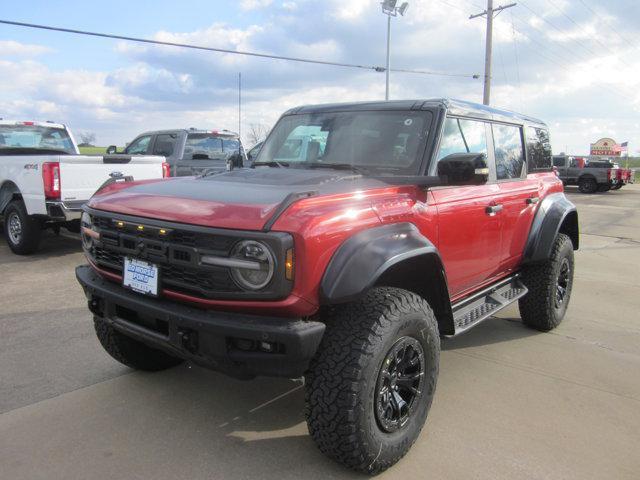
(44, 181)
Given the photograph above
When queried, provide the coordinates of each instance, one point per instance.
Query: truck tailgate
(82, 175)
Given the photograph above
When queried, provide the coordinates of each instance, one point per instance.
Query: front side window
(463, 136)
(32, 137)
(139, 146)
(538, 149)
(373, 140)
(509, 153)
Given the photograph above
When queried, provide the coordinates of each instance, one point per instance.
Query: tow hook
(189, 340)
(95, 306)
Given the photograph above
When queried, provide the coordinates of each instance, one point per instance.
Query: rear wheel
(604, 187)
(550, 284)
(587, 185)
(130, 352)
(617, 187)
(21, 230)
(371, 384)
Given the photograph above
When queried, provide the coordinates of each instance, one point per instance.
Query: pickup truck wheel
(130, 352)
(21, 230)
(587, 185)
(370, 386)
(604, 188)
(549, 284)
(617, 187)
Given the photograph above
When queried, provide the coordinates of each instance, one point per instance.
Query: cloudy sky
(574, 64)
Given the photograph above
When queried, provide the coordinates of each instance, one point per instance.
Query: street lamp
(390, 10)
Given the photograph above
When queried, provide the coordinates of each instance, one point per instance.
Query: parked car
(590, 176)
(624, 177)
(417, 219)
(190, 151)
(44, 181)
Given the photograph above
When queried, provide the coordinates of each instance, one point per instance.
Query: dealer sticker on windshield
(140, 276)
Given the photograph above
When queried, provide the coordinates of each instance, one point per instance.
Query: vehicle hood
(241, 199)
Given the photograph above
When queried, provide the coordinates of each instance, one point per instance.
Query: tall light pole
(490, 12)
(390, 10)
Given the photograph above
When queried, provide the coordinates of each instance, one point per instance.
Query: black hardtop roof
(222, 133)
(454, 107)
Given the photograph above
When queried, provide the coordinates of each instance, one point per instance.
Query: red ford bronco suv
(404, 221)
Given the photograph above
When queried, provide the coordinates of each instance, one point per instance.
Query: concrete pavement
(511, 403)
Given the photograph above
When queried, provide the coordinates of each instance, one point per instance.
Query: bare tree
(257, 133)
(87, 139)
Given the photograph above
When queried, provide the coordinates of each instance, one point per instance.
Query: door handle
(532, 200)
(493, 209)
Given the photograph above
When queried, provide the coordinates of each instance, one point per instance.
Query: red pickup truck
(403, 221)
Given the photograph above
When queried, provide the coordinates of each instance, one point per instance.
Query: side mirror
(464, 169)
(111, 149)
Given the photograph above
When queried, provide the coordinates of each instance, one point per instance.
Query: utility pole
(491, 13)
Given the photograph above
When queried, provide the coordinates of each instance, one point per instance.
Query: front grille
(176, 257)
(176, 249)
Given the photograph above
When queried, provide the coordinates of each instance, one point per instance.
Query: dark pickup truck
(589, 176)
(190, 151)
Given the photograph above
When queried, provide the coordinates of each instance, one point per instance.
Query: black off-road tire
(130, 352)
(341, 388)
(21, 231)
(604, 187)
(587, 185)
(542, 308)
(617, 186)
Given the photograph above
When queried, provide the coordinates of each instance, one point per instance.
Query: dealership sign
(606, 146)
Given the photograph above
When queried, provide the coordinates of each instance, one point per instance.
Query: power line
(234, 52)
(613, 29)
(561, 62)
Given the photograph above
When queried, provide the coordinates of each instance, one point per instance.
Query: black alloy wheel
(399, 384)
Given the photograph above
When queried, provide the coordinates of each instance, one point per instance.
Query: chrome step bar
(470, 311)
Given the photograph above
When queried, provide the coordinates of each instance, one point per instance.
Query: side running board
(472, 310)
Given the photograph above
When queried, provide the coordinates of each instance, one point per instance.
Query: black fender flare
(392, 255)
(8, 192)
(556, 214)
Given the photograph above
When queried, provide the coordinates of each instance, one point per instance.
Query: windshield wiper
(337, 166)
(272, 163)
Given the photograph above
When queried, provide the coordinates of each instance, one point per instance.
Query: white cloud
(11, 48)
(254, 4)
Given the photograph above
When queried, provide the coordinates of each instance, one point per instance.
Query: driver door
(469, 230)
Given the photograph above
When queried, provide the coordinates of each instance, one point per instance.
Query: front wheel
(587, 185)
(371, 384)
(550, 284)
(21, 230)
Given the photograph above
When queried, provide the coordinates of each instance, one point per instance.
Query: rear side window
(203, 146)
(165, 144)
(538, 149)
(463, 136)
(508, 151)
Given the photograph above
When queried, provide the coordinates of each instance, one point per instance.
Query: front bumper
(229, 342)
(65, 211)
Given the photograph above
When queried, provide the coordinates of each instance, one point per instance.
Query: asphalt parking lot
(511, 403)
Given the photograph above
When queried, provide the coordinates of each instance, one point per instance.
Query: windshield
(34, 137)
(209, 145)
(372, 140)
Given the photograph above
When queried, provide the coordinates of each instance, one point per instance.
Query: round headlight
(259, 264)
(86, 222)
